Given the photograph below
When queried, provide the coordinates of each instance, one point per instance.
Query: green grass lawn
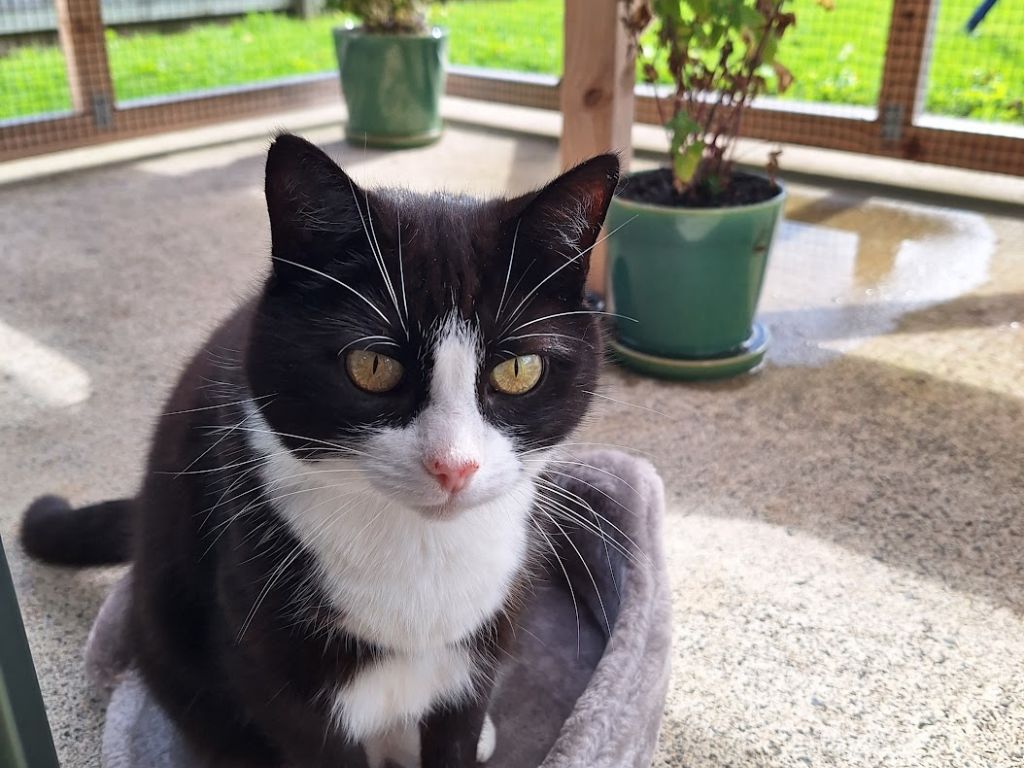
(836, 56)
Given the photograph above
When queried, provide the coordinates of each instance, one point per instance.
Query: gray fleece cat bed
(570, 700)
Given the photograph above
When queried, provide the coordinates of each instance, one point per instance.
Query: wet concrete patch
(846, 268)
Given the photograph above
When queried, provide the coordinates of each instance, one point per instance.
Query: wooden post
(905, 76)
(80, 28)
(596, 93)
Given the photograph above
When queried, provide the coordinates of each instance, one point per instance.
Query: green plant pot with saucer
(392, 85)
(685, 284)
(688, 268)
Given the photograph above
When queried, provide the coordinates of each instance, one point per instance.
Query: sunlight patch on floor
(789, 650)
(39, 372)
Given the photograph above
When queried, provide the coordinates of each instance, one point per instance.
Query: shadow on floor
(970, 311)
(917, 472)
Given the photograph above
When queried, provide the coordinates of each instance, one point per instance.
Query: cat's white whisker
(295, 554)
(567, 314)
(297, 551)
(212, 470)
(590, 485)
(566, 336)
(608, 561)
(401, 270)
(377, 339)
(352, 498)
(586, 567)
(241, 478)
(508, 274)
(587, 507)
(221, 439)
(379, 255)
(214, 407)
(286, 479)
(591, 444)
(569, 262)
(568, 583)
(335, 280)
(601, 470)
(626, 403)
(341, 449)
(526, 272)
(258, 489)
(594, 528)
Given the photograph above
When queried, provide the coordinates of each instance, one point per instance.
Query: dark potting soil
(655, 187)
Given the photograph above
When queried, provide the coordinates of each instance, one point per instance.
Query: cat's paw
(488, 741)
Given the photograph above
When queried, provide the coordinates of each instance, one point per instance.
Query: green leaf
(700, 7)
(771, 47)
(715, 35)
(686, 162)
(668, 9)
(750, 18)
(732, 10)
(681, 126)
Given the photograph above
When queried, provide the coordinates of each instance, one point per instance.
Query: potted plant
(685, 276)
(392, 73)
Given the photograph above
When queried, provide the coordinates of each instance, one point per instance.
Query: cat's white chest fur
(407, 582)
(408, 566)
(397, 691)
(414, 585)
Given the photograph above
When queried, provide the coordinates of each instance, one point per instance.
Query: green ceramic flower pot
(689, 280)
(392, 86)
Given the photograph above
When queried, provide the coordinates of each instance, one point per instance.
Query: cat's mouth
(447, 510)
(454, 505)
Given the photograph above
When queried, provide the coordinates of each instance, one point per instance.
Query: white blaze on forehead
(451, 426)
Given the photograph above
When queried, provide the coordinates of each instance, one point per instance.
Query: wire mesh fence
(836, 51)
(976, 67)
(145, 53)
(504, 35)
(33, 70)
(211, 54)
(171, 48)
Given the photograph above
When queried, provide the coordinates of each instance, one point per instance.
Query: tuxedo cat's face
(439, 343)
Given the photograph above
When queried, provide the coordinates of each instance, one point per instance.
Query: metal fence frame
(590, 91)
(25, 738)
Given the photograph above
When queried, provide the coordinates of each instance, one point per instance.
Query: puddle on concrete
(847, 268)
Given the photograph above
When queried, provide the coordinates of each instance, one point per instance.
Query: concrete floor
(845, 527)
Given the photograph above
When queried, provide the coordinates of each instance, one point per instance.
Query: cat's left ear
(316, 210)
(566, 216)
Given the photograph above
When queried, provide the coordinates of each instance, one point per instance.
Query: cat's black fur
(254, 697)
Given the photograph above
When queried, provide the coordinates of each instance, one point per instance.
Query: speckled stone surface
(845, 527)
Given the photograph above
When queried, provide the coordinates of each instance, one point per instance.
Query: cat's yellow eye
(372, 371)
(518, 375)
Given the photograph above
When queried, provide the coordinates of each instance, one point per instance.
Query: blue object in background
(979, 14)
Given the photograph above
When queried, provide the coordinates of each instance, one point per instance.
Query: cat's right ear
(315, 208)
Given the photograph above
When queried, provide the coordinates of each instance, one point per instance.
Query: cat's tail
(99, 534)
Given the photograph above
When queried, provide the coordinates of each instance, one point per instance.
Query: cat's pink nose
(452, 475)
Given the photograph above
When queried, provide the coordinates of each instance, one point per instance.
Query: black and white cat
(337, 521)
